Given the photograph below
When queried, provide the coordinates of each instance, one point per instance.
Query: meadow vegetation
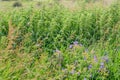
(56, 43)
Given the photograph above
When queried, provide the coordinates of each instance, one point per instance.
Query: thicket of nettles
(54, 43)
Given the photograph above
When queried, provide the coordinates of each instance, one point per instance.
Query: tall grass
(56, 43)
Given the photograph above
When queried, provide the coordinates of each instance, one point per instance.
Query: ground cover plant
(56, 43)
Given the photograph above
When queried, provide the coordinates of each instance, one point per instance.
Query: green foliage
(54, 43)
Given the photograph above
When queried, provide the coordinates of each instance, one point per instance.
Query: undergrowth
(54, 43)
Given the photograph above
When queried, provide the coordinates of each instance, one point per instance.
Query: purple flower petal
(101, 65)
(71, 46)
(75, 42)
(89, 67)
(85, 78)
(105, 58)
(95, 58)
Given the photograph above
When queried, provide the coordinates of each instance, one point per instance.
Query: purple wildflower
(85, 78)
(105, 58)
(71, 46)
(89, 67)
(95, 58)
(101, 65)
(75, 43)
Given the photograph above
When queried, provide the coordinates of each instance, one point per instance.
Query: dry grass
(76, 5)
(71, 4)
(11, 36)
